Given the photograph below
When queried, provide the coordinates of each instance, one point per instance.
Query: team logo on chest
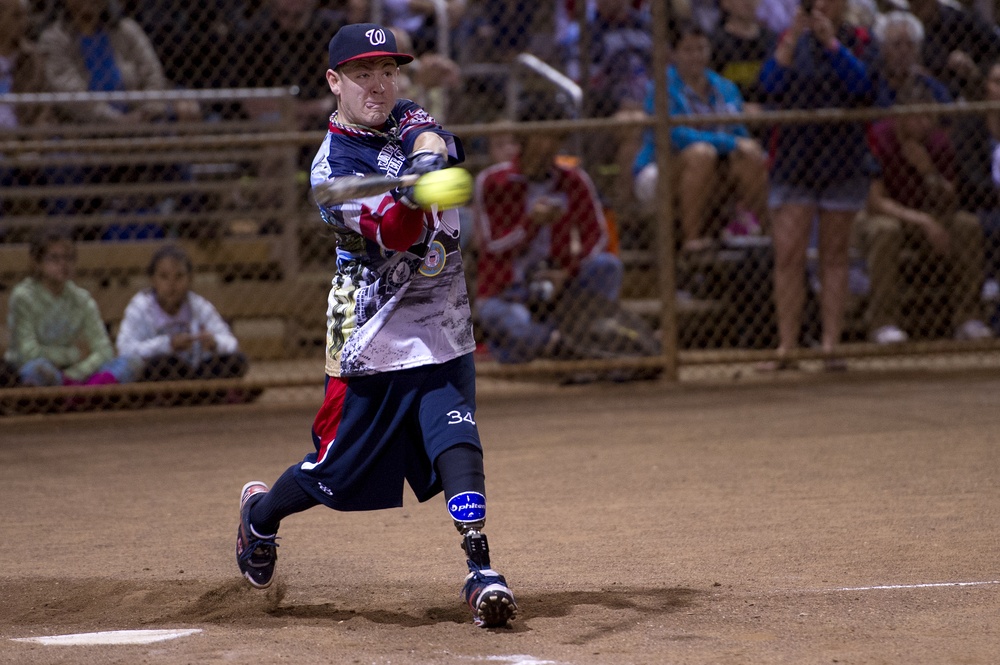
(434, 260)
(390, 159)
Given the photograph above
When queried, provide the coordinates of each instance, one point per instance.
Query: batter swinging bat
(345, 188)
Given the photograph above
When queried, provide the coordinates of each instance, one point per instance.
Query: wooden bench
(240, 257)
(723, 296)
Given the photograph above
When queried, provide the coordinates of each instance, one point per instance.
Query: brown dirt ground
(637, 524)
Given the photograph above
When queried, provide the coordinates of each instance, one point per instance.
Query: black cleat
(256, 554)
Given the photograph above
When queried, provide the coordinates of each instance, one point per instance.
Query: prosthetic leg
(486, 591)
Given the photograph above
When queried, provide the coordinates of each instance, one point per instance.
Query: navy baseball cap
(364, 40)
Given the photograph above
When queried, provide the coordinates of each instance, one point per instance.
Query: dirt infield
(637, 524)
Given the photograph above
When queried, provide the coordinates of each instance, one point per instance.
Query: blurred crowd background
(847, 208)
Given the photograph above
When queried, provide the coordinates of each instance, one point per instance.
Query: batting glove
(425, 161)
(421, 162)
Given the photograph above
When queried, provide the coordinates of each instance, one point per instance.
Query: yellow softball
(447, 188)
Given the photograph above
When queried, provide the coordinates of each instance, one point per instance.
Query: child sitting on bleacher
(57, 334)
(178, 333)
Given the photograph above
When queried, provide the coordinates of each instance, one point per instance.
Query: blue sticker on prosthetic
(467, 507)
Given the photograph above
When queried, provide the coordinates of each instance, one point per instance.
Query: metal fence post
(664, 216)
(290, 203)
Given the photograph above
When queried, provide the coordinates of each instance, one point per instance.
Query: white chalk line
(518, 659)
(110, 637)
(928, 585)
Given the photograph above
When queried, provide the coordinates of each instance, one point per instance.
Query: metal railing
(56, 166)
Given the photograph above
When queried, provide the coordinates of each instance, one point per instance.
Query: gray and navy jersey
(390, 310)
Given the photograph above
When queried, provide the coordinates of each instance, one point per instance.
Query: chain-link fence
(828, 198)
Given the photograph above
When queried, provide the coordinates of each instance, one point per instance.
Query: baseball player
(400, 386)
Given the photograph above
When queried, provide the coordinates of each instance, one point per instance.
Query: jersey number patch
(457, 418)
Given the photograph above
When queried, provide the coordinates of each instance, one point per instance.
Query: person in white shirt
(178, 333)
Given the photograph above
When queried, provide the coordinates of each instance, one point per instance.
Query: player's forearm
(431, 142)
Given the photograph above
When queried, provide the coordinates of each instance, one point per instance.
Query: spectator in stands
(617, 68)
(817, 168)
(355, 11)
(498, 31)
(176, 332)
(777, 15)
(285, 46)
(865, 13)
(193, 40)
(958, 45)
(21, 71)
(528, 212)
(427, 77)
(91, 47)
(486, 42)
(420, 20)
(913, 203)
(57, 335)
(616, 73)
(710, 158)
(900, 36)
(739, 48)
(21, 67)
(977, 146)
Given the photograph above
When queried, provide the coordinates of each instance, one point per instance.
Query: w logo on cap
(364, 40)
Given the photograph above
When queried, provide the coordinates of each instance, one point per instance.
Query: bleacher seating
(122, 261)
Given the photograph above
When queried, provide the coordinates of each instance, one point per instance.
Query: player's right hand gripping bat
(344, 188)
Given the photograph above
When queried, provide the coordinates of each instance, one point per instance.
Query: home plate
(111, 637)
